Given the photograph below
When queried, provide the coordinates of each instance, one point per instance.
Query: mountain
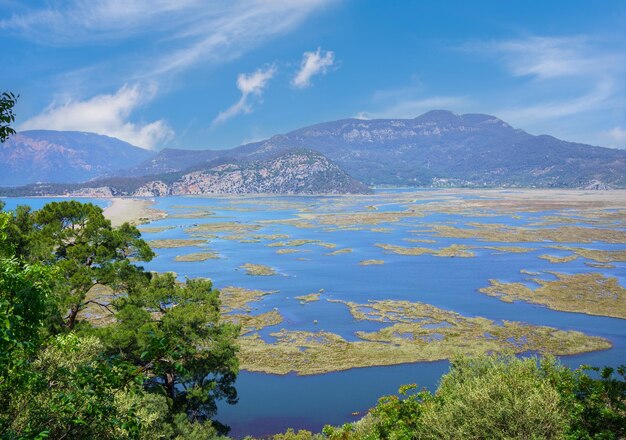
(64, 156)
(438, 148)
(297, 171)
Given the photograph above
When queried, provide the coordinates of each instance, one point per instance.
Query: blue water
(270, 403)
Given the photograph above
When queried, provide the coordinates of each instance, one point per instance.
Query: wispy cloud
(167, 38)
(547, 57)
(251, 86)
(595, 99)
(615, 137)
(181, 34)
(106, 114)
(558, 69)
(313, 63)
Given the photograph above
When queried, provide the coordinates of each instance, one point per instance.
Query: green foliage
(77, 239)
(503, 397)
(302, 434)
(398, 417)
(71, 393)
(24, 302)
(7, 117)
(495, 397)
(173, 331)
(157, 372)
(595, 398)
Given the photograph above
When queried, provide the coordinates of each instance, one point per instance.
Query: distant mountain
(438, 148)
(64, 156)
(297, 171)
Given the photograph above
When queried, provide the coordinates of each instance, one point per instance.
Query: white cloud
(313, 63)
(161, 39)
(179, 34)
(105, 114)
(595, 99)
(548, 57)
(251, 87)
(569, 75)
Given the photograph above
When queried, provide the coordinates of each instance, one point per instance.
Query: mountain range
(436, 149)
(64, 156)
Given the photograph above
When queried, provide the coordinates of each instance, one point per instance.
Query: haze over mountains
(438, 148)
(64, 156)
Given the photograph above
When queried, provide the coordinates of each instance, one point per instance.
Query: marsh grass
(589, 293)
(290, 251)
(513, 234)
(197, 256)
(510, 249)
(454, 250)
(258, 269)
(302, 242)
(311, 297)
(557, 259)
(339, 252)
(155, 229)
(239, 298)
(253, 323)
(417, 332)
(231, 227)
(371, 262)
(175, 243)
(598, 255)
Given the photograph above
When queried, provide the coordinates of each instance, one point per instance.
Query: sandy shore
(134, 211)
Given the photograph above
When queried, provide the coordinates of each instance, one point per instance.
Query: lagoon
(298, 236)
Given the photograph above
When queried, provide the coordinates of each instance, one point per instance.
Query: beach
(133, 211)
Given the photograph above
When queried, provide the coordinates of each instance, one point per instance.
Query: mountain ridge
(436, 149)
(440, 148)
(44, 155)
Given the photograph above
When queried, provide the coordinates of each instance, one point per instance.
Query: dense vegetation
(162, 360)
(154, 371)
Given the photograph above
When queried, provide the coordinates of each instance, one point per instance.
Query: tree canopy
(156, 369)
(7, 117)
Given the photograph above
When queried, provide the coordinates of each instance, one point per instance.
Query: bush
(503, 397)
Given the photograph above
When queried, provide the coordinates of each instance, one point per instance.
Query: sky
(219, 73)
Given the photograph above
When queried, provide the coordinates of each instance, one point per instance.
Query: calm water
(271, 403)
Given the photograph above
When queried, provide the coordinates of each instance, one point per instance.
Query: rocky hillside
(64, 157)
(438, 148)
(289, 172)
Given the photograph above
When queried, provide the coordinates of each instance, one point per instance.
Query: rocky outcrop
(596, 185)
(153, 189)
(297, 172)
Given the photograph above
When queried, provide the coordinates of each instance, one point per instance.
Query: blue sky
(215, 74)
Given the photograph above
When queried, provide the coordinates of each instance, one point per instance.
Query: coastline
(133, 211)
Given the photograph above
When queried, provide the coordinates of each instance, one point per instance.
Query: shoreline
(132, 210)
